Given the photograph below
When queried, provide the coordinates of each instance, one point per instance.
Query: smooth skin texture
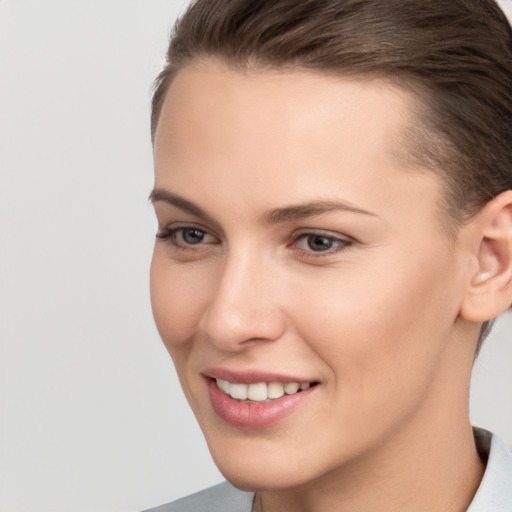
(373, 299)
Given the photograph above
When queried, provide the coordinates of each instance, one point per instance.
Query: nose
(245, 305)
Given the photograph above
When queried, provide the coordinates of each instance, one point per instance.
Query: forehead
(294, 132)
(292, 99)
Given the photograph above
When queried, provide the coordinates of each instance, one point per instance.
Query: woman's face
(296, 249)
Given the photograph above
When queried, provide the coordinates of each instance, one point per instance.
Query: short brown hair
(454, 55)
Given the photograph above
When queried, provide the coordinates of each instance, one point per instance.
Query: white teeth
(260, 391)
(257, 392)
(224, 385)
(291, 387)
(238, 391)
(275, 390)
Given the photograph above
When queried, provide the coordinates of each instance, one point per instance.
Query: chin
(257, 479)
(258, 465)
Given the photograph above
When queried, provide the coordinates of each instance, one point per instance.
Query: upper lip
(251, 376)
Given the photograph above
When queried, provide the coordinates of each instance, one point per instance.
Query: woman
(333, 186)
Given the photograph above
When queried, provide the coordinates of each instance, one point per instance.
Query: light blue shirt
(494, 493)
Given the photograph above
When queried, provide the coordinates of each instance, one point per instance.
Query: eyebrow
(302, 211)
(159, 194)
(275, 216)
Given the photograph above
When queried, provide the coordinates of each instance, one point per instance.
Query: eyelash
(169, 235)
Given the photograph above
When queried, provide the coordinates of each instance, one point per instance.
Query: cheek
(177, 299)
(381, 330)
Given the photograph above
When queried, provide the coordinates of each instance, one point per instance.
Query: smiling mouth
(261, 391)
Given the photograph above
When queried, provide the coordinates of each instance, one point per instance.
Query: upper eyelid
(188, 225)
(324, 232)
(341, 239)
(165, 210)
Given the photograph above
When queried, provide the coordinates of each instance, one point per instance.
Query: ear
(490, 287)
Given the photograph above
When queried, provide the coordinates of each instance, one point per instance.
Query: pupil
(319, 243)
(193, 236)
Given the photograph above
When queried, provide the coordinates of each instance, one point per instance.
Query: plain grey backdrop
(91, 415)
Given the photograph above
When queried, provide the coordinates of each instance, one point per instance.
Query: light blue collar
(495, 491)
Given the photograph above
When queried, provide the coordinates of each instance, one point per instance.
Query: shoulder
(220, 498)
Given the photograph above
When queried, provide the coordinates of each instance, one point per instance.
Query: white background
(91, 415)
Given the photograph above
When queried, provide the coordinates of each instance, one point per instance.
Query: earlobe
(490, 288)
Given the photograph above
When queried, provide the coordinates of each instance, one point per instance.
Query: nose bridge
(244, 305)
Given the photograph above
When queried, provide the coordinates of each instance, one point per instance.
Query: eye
(320, 243)
(185, 236)
(191, 235)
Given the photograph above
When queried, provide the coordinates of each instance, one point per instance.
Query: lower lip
(255, 415)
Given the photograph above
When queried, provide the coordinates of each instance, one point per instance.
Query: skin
(375, 318)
